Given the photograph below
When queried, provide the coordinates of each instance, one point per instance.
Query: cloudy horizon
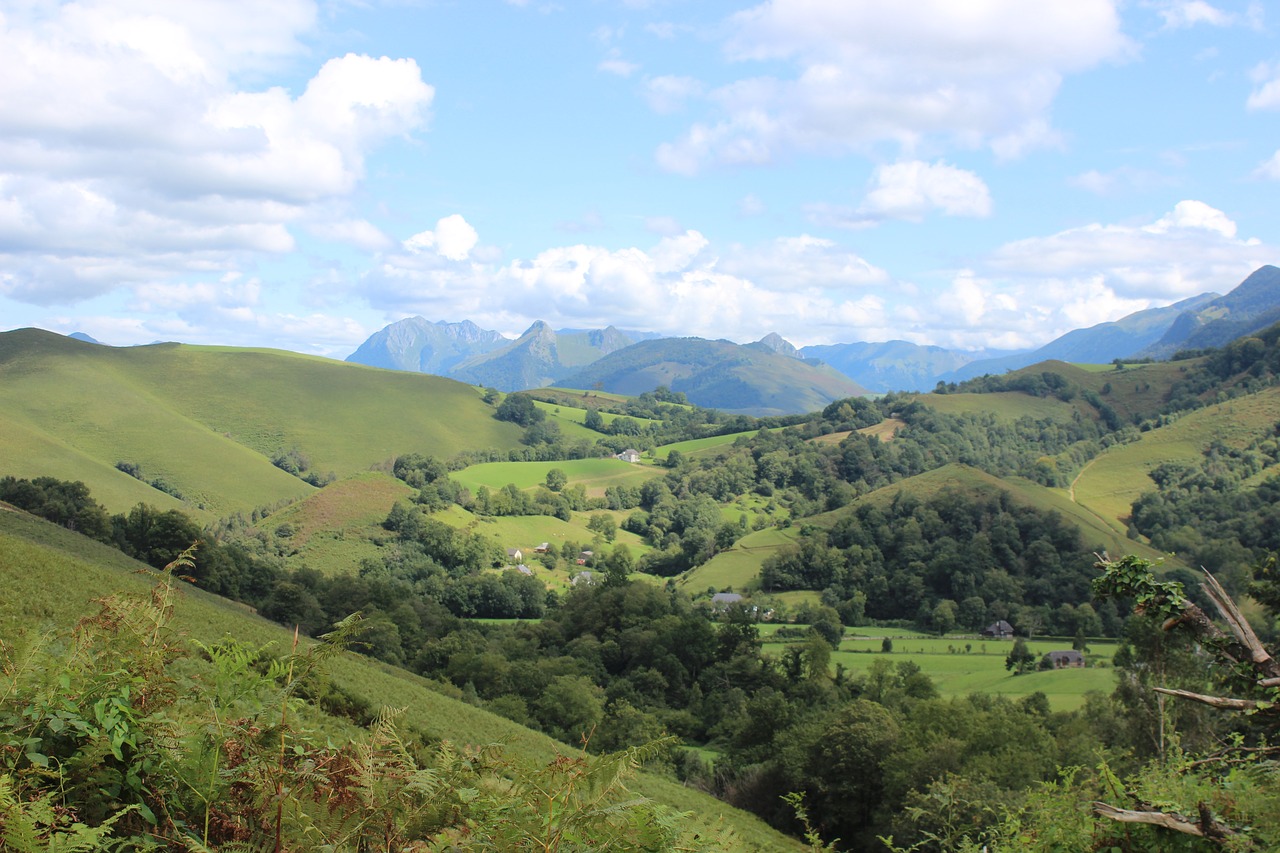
(299, 174)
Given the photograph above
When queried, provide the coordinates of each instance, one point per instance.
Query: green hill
(207, 420)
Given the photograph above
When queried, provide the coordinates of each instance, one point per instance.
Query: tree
(556, 479)
(1020, 658)
(519, 409)
(603, 523)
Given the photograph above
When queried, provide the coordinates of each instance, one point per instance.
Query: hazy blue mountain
(1253, 305)
(1098, 344)
(81, 336)
(751, 380)
(894, 365)
(419, 345)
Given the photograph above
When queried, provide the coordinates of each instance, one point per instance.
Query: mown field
(51, 577)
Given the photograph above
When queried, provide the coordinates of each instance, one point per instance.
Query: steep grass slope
(51, 576)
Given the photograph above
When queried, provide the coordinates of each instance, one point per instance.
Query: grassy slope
(206, 419)
(1110, 484)
(51, 575)
(1008, 405)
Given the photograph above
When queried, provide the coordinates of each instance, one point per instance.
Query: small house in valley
(1000, 630)
(1065, 659)
(629, 455)
(515, 555)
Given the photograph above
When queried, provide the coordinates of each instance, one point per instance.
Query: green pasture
(51, 577)
(526, 532)
(739, 566)
(595, 475)
(1006, 405)
(956, 672)
(1113, 481)
(698, 445)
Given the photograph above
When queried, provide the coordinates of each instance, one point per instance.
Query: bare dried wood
(1216, 701)
(1206, 827)
(1240, 626)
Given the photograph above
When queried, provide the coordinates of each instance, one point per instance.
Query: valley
(741, 585)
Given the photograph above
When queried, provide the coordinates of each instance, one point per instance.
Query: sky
(298, 174)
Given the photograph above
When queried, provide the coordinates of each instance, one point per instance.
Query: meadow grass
(1114, 480)
(739, 566)
(339, 526)
(699, 445)
(1006, 405)
(593, 474)
(956, 672)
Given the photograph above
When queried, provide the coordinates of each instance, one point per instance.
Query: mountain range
(772, 376)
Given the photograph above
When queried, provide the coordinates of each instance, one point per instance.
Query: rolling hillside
(207, 420)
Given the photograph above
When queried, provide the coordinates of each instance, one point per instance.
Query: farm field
(698, 445)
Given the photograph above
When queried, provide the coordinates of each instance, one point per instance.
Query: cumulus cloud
(453, 239)
(909, 190)
(981, 75)
(681, 285)
(1191, 249)
(130, 153)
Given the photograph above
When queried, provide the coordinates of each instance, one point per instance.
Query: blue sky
(294, 174)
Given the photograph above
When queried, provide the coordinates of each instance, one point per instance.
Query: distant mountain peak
(774, 342)
(81, 336)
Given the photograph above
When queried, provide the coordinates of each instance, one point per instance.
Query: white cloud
(1266, 95)
(682, 285)
(910, 189)
(978, 74)
(129, 153)
(1180, 14)
(453, 239)
(1190, 250)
